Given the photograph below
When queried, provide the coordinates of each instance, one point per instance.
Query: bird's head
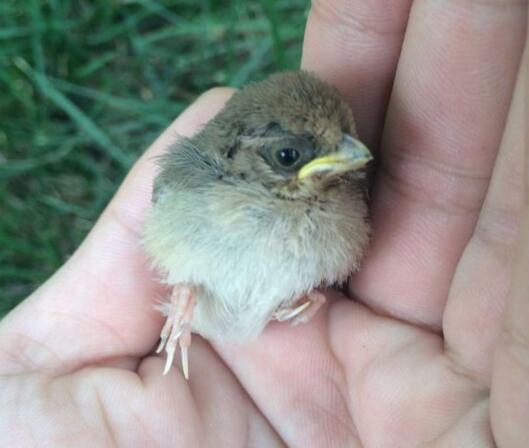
(292, 133)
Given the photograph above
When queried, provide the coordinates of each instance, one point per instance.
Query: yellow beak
(352, 154)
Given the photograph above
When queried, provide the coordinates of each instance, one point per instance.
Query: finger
(172, 412)
(294, 379)
(100, 304)
(445, 120)
(478, 293)
(393, 372)
(510, 380)
(355, 45)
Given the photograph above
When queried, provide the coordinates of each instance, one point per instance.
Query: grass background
(86, 85)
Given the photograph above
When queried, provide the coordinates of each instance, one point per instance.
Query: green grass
(86, 85)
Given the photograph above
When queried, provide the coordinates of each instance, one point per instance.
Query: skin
(435, 351)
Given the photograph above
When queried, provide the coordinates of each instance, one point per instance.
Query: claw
(304, 312)
(177, 328)
(169, 360)
(185, 362)
(288, 313)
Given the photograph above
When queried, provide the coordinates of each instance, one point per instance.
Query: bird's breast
(250, 252)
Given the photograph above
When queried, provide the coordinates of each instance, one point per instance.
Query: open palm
(432, 351)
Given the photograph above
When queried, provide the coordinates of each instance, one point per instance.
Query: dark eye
(287, 157)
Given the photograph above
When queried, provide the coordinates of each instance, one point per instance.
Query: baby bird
(265, 204)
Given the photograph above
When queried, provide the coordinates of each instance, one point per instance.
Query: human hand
(440, 357)
(76, 362)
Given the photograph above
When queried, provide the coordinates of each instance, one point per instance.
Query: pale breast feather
(250, 254)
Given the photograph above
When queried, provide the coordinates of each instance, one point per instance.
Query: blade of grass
(16, 167)
(243, 74)
(85, 123)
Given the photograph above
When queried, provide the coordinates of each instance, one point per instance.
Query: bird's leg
(304, 312)
(177, 327)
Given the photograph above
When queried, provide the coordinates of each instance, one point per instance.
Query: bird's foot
(177, 327)
(301, 313)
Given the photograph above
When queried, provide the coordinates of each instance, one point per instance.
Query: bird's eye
(287, 157)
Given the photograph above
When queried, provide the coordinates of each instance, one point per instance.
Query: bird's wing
(184, 166)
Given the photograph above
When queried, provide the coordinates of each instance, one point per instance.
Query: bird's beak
(352, 154)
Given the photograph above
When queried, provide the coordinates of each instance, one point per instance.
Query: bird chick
(265, 204)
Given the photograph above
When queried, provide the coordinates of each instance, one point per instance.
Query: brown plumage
(259, 208)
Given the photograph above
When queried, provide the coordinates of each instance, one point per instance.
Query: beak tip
(352, 155)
